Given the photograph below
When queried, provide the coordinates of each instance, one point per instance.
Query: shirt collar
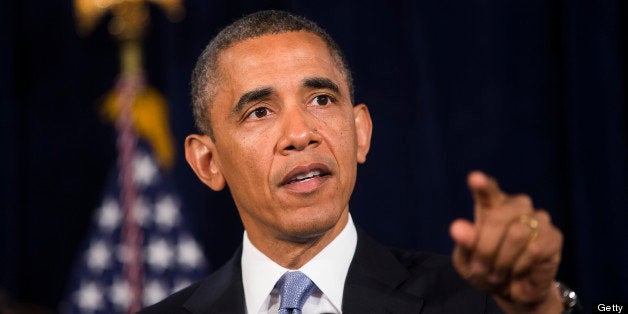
(328, 269)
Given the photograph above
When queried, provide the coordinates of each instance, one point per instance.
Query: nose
(298, 131)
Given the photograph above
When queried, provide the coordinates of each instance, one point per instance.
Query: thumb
(463, 233)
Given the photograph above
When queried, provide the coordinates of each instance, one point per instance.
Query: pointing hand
(511, 250)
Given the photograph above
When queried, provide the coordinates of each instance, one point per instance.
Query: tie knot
(294, 288)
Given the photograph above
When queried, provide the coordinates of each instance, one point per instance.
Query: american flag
(170, 257)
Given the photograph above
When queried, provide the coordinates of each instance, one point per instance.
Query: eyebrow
(263, 92)
(321, 83)
(252, 96)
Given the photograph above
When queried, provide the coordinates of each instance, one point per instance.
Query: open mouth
(305, 174)
(306, 177)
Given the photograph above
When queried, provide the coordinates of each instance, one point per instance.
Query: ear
(363, 128)
(200, 153)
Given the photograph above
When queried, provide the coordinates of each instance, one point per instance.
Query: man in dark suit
(273, 99)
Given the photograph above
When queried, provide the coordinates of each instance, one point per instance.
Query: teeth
(308, 175)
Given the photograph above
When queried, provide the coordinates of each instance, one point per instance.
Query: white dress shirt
(328, 270)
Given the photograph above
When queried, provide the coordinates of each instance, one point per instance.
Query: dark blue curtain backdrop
(531, 91)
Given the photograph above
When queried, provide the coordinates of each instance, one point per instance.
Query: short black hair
(205, 76)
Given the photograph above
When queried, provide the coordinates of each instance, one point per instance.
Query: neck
(294, 252)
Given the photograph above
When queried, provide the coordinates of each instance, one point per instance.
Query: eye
(322, 100)
(258, 113)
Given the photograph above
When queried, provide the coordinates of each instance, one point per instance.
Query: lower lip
(306, 186)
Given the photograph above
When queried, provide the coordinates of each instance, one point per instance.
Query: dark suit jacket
(380, 280)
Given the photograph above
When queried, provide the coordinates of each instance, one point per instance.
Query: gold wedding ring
(532, 223)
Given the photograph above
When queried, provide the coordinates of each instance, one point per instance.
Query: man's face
(287, 137)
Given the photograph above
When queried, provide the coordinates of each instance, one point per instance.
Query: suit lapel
(221, 292)
(375, 281)
(374, 284)
(379, 281)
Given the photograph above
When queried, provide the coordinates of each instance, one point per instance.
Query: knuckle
(543, 216)
(518, 232)
(482, 254)
(524, 200)
(518, 269)
(502, 265)
(535, 249)
(496, 221)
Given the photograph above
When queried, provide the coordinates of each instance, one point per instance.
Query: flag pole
(124, 106)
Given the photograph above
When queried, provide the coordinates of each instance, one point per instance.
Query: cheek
(345, 131)
(339, 133)
(245, 160)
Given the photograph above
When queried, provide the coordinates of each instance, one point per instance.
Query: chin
(304, 227)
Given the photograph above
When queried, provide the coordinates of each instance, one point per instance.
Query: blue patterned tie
(294, 288)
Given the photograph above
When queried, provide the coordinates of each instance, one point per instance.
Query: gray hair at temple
(205, 75)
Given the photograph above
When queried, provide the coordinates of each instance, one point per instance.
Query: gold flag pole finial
(89, 12)
(128, 23)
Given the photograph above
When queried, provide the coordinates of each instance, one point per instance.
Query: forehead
(277, 59)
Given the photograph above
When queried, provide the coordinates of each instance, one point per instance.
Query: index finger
(485, 190)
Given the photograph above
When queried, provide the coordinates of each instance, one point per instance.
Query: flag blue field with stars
(172, 259)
